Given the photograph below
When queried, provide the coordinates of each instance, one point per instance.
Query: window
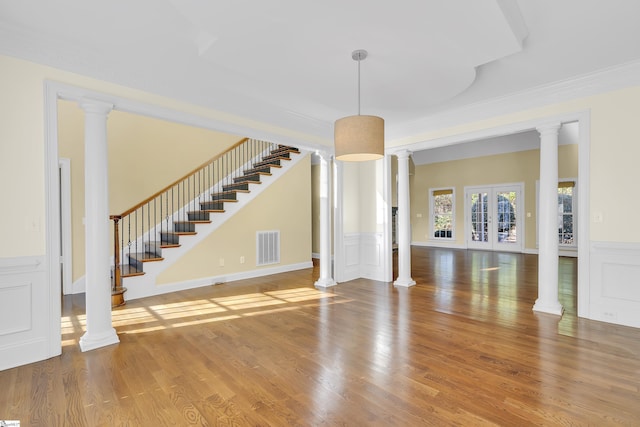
(442, 213)
(567, 212)
(566, 205)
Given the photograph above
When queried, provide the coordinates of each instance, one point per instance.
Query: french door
(494, 217)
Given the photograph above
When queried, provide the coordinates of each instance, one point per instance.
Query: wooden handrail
(176, 182)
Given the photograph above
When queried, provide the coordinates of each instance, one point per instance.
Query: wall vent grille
(268, 247)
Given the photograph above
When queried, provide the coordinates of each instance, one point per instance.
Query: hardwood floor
(463, 347)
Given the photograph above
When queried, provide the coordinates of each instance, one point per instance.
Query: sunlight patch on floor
(134, 320)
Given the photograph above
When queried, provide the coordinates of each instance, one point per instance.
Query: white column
(404, 222)
(325, 279)
(547, 301)
(100, 331)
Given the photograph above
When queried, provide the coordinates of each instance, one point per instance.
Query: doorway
(493, 216)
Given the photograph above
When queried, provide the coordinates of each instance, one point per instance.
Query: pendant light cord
(358, 86)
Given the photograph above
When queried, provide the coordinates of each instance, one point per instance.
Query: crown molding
(601, 81)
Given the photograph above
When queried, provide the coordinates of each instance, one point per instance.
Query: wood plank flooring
(463, 347)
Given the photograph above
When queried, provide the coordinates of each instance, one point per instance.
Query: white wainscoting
(24, 307)
(363, 256)
(615, 283)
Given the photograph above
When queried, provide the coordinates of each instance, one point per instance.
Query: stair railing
(145, 223)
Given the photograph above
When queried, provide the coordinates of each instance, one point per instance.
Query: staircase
(144, 232)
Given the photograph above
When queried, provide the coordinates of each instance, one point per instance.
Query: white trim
(339, 268)
(387, 227)
(52, 220)
(216, 280)
(584, 234)
(65, 222)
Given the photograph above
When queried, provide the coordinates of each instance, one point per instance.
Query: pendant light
(359, 138)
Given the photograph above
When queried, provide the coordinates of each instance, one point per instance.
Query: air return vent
(268, 247)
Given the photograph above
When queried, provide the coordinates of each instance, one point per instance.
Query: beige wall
(145, 155)
(315, 209)
(284, 206)
(523, 166)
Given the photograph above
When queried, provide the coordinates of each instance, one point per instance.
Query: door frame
(491, 189)
(66, 258)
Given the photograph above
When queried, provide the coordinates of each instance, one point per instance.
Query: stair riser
(224, 196)
(169, 238)
(135, 263)
(211, 206)
(183, 226)
(263, 169)
(278, 155)
(255, 177)
(154, 248)
(238, 186)
(199, 216)
(267, 162)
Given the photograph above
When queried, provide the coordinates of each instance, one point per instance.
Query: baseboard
(439, 244)
(133, 293)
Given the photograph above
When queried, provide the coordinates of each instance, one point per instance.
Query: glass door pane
(479, 217)
(506, 217)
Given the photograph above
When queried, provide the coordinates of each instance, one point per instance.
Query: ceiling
(288, 63)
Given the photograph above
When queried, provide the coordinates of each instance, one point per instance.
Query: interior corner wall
(145, 155)
(285, 206)
(522, 166)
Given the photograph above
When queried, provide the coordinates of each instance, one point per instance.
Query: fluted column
(547, 301)
(404, 222)
(100, 331)
(326, 278)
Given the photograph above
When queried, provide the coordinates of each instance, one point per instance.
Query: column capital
(324, 155)
(403, 154)
(549, 128)
(93, 106)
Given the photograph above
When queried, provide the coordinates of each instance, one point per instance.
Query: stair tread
(145, 256)
(213, 210)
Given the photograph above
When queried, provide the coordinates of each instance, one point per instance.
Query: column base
(553, 307)
(404, 283)
(93, 341)
(325, 283)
